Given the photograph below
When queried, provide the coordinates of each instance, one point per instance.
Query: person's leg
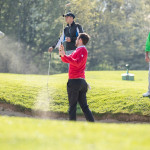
(149, 79)
(73, 93)
(148, 92)
(83, 102)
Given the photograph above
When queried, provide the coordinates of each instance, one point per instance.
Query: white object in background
(146, 94)
(2, 35)
(127, 74)
(89, 87)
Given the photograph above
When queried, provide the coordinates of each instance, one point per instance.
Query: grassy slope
(109, 93)
(26, 134)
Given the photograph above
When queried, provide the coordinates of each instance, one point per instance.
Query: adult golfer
(77, 86)
(147, 59)
(69, 35)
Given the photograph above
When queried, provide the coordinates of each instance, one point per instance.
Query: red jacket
(77, 61)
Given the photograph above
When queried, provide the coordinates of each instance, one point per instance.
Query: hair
(84, 37)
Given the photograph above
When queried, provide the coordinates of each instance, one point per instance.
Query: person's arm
(79, 29)
(75, 62)
(147, 49)
(82, 55)
(62, 53)
(64, 60)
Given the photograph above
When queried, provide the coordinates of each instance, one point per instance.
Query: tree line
(118, 31)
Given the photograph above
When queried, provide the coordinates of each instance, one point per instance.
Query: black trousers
(77, 89)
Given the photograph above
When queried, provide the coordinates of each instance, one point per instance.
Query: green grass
(109, 93)
(33, 134)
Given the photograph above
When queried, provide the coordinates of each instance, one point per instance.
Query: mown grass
(109, 94)
(33, 134)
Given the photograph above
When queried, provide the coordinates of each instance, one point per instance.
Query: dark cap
(69, 14)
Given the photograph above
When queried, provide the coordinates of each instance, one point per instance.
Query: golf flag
(61, 40)
(147, 49)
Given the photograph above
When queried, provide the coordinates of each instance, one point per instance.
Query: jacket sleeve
(64, 60)
(60, 40)
(81, 57)
(147, 49)
(79, 29)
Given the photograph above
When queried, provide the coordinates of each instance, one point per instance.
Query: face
(68, 19)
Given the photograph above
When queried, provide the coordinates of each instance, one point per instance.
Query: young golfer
(77, 86)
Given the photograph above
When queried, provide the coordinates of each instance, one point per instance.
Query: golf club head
(2, 35)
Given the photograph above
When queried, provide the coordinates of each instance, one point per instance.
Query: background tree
(118, 30)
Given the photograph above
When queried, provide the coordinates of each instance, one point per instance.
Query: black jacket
(72, 32)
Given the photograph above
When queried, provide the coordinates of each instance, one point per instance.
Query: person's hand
(147, 59)
(68, 39)
(61, 51)
(50, 49)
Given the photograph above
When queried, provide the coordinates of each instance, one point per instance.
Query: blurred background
(118, 30)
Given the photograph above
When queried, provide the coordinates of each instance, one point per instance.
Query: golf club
(48, 74)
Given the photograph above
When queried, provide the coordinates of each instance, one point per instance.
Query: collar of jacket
(71, 24)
